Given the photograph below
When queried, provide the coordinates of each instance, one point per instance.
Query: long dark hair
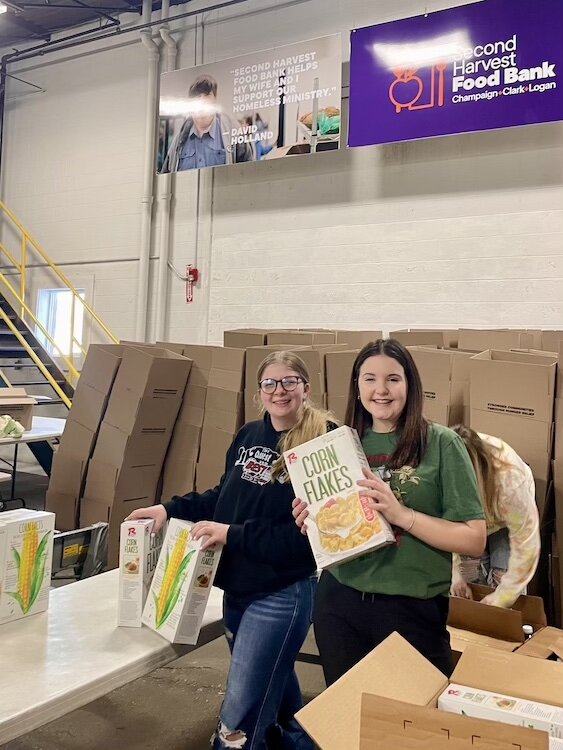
(412, 426)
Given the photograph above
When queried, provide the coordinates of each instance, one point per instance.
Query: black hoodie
(265, 550)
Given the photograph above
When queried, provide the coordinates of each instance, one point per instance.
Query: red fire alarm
(192, 276)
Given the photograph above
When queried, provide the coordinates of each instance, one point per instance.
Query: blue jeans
(262, 694)
(488, 569)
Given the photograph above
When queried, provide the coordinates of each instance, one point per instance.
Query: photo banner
(491, 64)
(265, 105)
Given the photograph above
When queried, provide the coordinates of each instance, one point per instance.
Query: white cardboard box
(482, 704)
(139, 550)
(26, 556)
(324, 472)
(176, 602)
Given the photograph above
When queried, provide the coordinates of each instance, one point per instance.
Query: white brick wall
(453, 231)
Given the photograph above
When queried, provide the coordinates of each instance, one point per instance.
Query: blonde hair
(311, 421)
(487, 462)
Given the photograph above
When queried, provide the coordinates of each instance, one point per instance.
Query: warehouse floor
(173, 708)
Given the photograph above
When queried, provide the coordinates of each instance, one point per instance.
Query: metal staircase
(47, 374)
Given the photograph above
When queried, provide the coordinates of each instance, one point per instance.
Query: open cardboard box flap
(545, 644)
(393, 724)
(470, 621)
(396, 671)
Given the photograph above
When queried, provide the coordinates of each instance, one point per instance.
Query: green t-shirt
(444, 486)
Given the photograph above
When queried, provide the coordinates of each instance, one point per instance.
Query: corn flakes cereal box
(341, 524)
(181, 585)
(139, 549)
(26, 556)
(482, 704)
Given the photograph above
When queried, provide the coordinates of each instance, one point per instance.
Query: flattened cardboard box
(242, 338)
(341, 524)
(514, 384)
(88, 406)
(139, 550)
(396, 671)
(139, 449)
(152, 372)
(100, 367)
(17, 404)
(181, 585)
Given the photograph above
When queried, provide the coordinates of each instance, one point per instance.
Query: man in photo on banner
(204, 139)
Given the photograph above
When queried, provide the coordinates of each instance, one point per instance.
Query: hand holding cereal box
(324, 473)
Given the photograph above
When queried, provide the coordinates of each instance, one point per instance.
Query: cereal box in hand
(139, 549)
(324, 473)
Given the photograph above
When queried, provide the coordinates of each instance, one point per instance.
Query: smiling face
(283, 405)
(382, 387)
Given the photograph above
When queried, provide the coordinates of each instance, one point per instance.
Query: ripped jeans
(262, 695)
(488, 569)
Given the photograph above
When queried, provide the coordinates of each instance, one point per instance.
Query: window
(54, 308)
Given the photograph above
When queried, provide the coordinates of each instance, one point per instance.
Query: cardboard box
(337, 406)
(152, 372)
(547, 643)
(176, 605)
(179, 479)
(130, 411)
(88, 406)
(139, 551)
(21, 530)
(304, 338)
(480, 340)
(17, 404)
(551, 340)
(445, 381)
(208, 475)
(242, 338)
(357, 339)
(65, 489)
(185, 443)
(109, 483)
(324, 472)
(77, 440)
(227, 369)
(339, 372)
(424, 337)
(471, 622)
(214, 445)
(201, 356)
(141, 448)
(252, 408)
(558, 444)
(402, 687)
(521, 385)
(100, 367)
(507, 709)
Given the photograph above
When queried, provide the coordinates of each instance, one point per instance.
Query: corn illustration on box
(341, 524)
(181, 585)
(26, 556)
(139, 549)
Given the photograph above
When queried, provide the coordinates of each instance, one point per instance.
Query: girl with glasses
(267, 568)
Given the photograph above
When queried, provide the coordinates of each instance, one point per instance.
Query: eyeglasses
(289, 383)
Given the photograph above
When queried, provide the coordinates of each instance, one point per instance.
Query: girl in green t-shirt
(423, 482)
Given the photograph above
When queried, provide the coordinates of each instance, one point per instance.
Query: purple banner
(491, 64)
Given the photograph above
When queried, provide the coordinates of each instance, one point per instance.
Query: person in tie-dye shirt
(513, 537)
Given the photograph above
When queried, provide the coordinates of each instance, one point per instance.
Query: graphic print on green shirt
(444, 486)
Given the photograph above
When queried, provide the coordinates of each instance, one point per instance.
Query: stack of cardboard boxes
(70, 462)
(445, 383)
(223, 417)
(125, 469)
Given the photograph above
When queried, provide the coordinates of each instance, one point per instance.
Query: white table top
(42, 428)
(57, 661)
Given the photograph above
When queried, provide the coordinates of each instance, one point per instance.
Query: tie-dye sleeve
(519, 513)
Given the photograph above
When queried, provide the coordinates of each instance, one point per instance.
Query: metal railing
(18, 291)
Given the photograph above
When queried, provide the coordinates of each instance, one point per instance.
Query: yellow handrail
(29, 243)
(37, 322)
(66, 281)
(44, 371)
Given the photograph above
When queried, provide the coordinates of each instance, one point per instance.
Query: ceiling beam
(32, 28)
